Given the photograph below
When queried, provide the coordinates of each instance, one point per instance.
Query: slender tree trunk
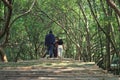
(108, 48)
(88, 33)
(5, 31)
(112, 44)
(3, 55)
(108, 13)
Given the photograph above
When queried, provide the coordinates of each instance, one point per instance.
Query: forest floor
(53, 69)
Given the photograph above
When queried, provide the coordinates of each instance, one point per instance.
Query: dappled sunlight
(68, 69)
(54, 69)
(62, 70)
(24, 68)
(50, 78)
(17, 68)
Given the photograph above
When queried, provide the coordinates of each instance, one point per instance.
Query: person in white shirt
(60, 48)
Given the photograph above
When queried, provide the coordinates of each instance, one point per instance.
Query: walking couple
(54, 45)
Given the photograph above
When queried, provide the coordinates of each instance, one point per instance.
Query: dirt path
(53, 69)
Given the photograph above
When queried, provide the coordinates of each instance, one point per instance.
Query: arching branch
(113, 6)
(7, 23)
(28, 11)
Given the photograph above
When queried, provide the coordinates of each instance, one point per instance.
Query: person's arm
(53, 39)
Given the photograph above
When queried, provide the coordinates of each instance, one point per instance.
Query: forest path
(53, 69)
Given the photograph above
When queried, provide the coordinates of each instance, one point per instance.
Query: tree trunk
(108, 48)
(87, 32)
(3, 56)
(4, 33)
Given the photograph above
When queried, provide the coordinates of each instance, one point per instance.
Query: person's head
(50, 31)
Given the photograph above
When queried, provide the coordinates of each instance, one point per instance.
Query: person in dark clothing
(56, 47)
(49, 42)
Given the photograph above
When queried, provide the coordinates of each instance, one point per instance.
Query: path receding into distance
(54, 69)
